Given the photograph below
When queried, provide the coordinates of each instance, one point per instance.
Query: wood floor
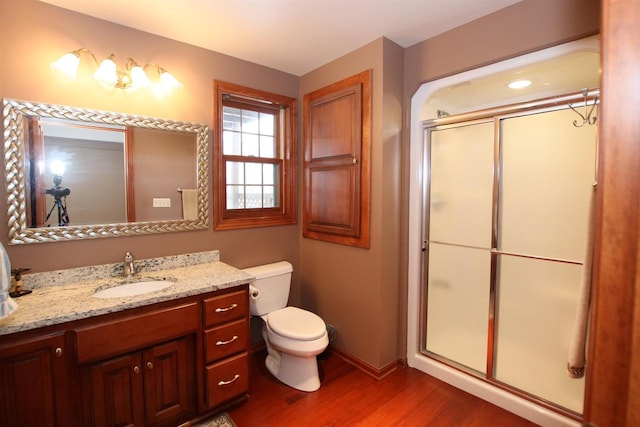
(349, 397)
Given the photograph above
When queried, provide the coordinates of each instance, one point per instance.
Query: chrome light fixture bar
(133, 77)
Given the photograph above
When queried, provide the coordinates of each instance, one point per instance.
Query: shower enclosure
(506, 198)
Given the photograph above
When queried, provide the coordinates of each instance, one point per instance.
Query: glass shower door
(459, 243)
(506, 210)
(547, 174)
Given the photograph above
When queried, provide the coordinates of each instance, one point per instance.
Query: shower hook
(586, 117)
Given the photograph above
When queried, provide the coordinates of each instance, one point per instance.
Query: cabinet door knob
(223, 309)
(149, 365)
(235, 337)
(221, 383)
(58, 352)
(136, 370)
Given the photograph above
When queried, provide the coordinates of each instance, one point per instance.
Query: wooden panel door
(117, 392)
(337, 144)
(33, 383)
(168, 381)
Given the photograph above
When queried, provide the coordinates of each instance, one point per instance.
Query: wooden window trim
(286, 158)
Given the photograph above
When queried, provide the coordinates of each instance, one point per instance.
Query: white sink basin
(132, 289)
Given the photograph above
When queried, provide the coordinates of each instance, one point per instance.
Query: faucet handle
(129, 268)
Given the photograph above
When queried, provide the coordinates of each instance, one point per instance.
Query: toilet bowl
(293, 336)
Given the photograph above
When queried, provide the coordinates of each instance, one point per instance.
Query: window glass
(232, 143)
(267, 146)
(269, 174)
(231, 118)
(250, 145)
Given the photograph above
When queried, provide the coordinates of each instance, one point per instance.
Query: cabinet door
(169, 381)
(337, 151)
(116, 390)
(33, 382)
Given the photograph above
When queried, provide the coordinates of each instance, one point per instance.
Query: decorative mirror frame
(14, 112)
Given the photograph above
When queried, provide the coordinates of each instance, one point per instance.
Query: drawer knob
(58, 352)
(223, 309)
(149, 365)
(136, 370)
(221, 383)
(235, 337)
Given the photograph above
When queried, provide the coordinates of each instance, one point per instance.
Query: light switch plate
(161, 203)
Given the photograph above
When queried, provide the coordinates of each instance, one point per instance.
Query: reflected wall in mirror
(74, 173)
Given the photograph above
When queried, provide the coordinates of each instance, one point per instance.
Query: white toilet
(293, 336)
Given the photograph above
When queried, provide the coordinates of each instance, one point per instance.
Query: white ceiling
(294, 36)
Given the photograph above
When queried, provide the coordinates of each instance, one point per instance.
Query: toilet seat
(296, 324)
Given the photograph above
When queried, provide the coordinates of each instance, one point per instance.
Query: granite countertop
(66, 295)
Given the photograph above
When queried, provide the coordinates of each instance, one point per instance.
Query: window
(254, 157)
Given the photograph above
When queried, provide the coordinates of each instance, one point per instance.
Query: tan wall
(163, 162)
(354, 289)
(100, 200)
(34, 34)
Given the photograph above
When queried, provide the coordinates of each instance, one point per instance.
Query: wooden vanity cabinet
(159, 365)
(169, 380)
(226, 345)
(113, 392)
(33, 381)
(151, 387)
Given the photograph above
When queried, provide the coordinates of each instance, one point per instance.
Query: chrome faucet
(129, 268)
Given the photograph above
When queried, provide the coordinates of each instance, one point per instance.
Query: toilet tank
(273, 282)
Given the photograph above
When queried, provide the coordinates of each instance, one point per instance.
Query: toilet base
(300, 373)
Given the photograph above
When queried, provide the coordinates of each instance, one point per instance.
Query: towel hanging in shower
(577, 351)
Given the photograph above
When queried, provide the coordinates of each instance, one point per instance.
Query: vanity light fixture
(133, 77)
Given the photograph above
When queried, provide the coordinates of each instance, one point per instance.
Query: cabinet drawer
(227, 307)
(131, 332)
(227, 379)
(226, 340)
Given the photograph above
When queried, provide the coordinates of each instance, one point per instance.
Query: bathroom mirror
(74, 173)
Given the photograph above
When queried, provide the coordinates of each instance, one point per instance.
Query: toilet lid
(295, 323)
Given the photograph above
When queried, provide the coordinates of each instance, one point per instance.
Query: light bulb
(67, 66)
(139, 78)
(57, 167)
(106, 72)
(169, 82)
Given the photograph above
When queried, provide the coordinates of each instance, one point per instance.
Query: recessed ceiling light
(519, 84)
